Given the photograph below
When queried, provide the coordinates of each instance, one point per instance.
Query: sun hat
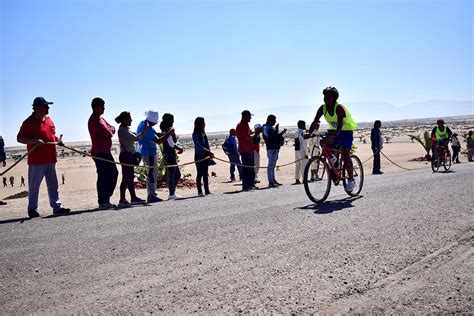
(152, 116)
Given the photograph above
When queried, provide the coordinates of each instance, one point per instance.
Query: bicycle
(441, 156)
(327, 168)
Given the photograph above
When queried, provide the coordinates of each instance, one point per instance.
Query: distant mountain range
(361, 112)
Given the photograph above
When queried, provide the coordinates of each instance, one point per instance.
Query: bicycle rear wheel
(317, 179)
(358, 176)
(447, 161)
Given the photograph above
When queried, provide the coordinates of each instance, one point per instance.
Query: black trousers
(202, 176)
(456, 150)
(173, 173)
(248, 173)
(107, 174)
(376, 160)
(128, 176)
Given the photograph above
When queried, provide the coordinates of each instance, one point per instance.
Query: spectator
(12, 180)
(377, 145)
(245, 137)
(127, 151)
(63, 178)
(201, 151)
(470, 146)
(37, 130)
(101, 134)
(273, 141)
(256, 150)
(170, 150)
(22, 184)
(148, 143)
(456, 146)
(301, 151)
(3, 159)
(232, 152)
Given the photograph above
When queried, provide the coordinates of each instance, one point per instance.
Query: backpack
(226, 146)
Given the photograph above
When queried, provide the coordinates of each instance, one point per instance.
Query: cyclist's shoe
(350, 185)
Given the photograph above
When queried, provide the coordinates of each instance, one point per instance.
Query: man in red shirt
(245, 137)
(101, 134)
(37, 130)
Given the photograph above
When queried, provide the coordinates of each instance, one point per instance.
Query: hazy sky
(217, 57)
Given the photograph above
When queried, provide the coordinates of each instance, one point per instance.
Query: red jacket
(45, 130)
(101, 134)
(244, 135)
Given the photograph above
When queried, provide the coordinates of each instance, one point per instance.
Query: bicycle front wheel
(358, 176)
(317, 179)
(435, 164)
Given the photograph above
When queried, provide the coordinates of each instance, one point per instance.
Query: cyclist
(440, 136)
(341, 129)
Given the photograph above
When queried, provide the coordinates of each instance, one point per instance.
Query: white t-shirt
(303, 142)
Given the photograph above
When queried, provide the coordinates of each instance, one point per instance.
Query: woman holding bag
(201, 151)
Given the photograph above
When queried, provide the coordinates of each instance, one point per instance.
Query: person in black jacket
(273, 141)
(377, 145)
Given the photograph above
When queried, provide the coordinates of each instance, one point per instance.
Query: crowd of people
(242, 146)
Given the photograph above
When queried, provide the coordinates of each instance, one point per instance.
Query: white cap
(257, 126)
(152, 116)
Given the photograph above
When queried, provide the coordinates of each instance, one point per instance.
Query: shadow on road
(330, 206)
(14, 220)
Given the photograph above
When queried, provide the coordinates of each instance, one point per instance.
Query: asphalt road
(405, 246)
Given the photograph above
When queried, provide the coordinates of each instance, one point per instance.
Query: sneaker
(272, 185)
(377, 172)
(61, 211)
(106, 206)
(297, 181)
(124, 203)
(200, 194)
(350, 185)
(136, 200)
(33, 214)
(278, 183)
(153, 199)
(233, 180)
(208, 193)
(174, 197)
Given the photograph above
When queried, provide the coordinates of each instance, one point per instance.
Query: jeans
(36, 173)
(234, 159)
(376, 167)
(152, 175)
(173, 173)
(202, 175)
(248, 173)
(272, 155)
(128, 175)
(107, 175)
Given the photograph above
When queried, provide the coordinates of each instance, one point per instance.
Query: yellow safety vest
(348, 123)
(440, 135)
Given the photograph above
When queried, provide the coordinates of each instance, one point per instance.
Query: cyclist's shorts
(344, 140)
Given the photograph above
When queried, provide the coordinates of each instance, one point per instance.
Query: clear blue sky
(218, 57)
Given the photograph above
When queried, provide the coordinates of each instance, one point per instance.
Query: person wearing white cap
(148, 150)
(256, 149)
